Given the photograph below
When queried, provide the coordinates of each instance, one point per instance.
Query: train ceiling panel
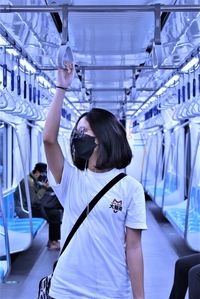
(116, 50)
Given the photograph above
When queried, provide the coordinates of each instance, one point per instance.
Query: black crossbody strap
(90, 206)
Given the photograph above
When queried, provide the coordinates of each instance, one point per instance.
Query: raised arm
(54, 155)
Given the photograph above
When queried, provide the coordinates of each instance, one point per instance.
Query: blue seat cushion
(177, 215)
(23, 225)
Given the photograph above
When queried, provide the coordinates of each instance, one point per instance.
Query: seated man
(44, 203)
(186, 275)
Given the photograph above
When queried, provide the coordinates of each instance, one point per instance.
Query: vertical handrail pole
(5, 226)
(157, 168)
(25, 183)
(25, 180)
(147, 162)
(166, 167)
(190, 188)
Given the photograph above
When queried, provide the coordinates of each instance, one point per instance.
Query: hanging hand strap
(90, 206)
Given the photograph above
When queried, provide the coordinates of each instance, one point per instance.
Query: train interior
(141, 61)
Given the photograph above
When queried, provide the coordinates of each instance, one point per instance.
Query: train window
(36, 144)
(3, 155)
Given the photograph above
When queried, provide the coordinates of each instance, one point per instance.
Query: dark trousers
(186, 274)
(54, 219)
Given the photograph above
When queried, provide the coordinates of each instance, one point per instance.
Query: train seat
(159, 189)
(23, 224)
(3, 269)
(180, 213)
(170, 191)
(23, 229)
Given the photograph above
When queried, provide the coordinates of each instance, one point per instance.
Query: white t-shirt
(93, 266)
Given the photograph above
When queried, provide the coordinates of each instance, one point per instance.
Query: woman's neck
(92, 164)
(93, 169)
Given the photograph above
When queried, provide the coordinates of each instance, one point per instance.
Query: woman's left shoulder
(133, 183)
(130, 179)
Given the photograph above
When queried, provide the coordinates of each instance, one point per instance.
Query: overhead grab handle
(18, 78)
(156, 56)
(12, 74)
(65, 52)
(157, 30)
(157, 49)
(4, 69)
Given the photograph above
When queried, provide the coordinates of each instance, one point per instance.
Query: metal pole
(25, 181)
(5, 229)
(113, 67)
(112, 89)
(157, 168)
(97, 8)
(170, 149)
(187, 212)
(125, 67)
(65, 33)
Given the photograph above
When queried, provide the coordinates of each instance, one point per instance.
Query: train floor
(161, 247)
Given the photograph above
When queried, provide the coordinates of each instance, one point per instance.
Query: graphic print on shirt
(116, 205)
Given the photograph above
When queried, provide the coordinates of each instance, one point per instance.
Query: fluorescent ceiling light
(12, 51)
(136, 105)
(25, 64)
(172, 81)
(161, 90)
(145, 105)
(152, 99)
(3, 42)
(138, 112)
(129, 113)
(193, 62)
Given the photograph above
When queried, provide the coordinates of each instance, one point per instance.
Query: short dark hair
(113, 148)
(41, 167)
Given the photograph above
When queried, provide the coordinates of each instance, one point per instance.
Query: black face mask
(43, 177)
(83, 146)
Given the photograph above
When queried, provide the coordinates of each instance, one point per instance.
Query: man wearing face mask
(39, 192)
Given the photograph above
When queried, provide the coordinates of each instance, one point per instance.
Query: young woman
(104, 258)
